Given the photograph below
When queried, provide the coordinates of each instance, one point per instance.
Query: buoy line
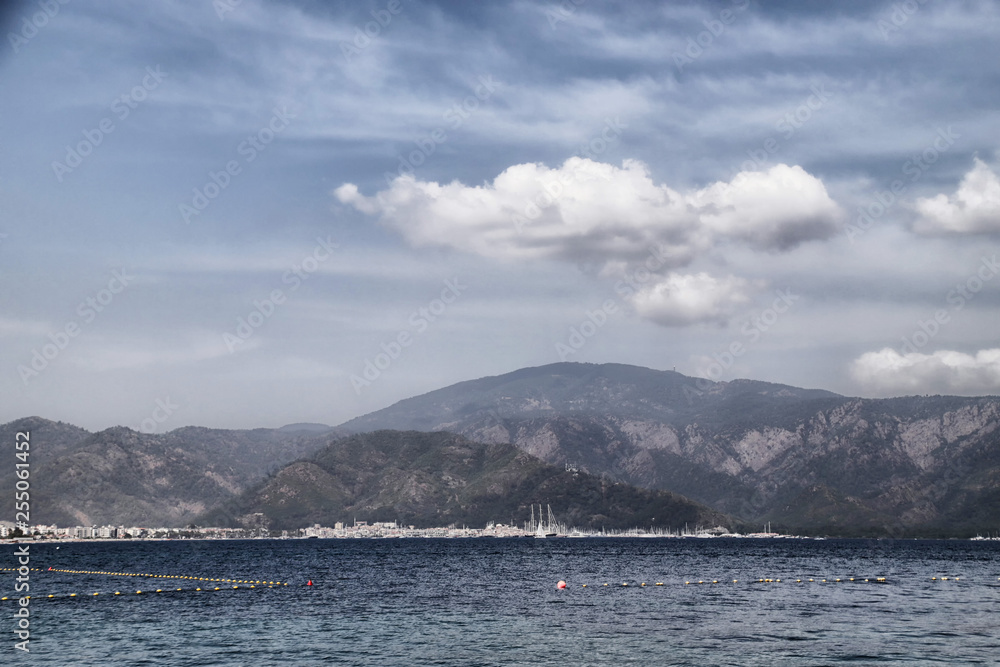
(106, 594)
(235, 583)
(760, 580)
(171, 576)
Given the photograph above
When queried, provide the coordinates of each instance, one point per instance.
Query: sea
(490, 601)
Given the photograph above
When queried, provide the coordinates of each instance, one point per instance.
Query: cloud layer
(945, 371)
(679, 300)
(681, 190)
(607, 218)
(974, 208)
(595, 213)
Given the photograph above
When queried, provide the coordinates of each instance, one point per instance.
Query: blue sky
(242, 214)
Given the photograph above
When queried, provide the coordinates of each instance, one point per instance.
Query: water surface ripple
(494, 602)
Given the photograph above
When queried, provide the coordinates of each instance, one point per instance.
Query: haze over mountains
(808, 460)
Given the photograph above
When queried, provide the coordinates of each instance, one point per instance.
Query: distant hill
(305, 427)
(606, 390)
(438, 479)
(805, 459)
(52, 438)
(49, 440)
(120, 476)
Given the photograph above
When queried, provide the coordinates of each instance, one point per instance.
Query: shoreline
(528, 536)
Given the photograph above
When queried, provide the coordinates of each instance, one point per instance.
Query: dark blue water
(495, 602)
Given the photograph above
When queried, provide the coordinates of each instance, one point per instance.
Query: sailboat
(543, 529)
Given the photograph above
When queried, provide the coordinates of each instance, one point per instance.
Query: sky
(247, 213)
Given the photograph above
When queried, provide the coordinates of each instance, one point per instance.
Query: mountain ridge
(806, 459)
(439, 479)
(121, 476)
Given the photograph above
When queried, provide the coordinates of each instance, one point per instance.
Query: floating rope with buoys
(170, 576)
(235, 583)
(561, 585)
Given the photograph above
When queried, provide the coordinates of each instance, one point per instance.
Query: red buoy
(561, 584)
(310, 583)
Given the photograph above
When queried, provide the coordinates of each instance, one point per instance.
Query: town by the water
(356, 529)
(362, 529)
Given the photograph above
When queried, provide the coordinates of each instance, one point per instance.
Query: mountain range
(805, 459)
(120, 476)
(742, 451)
(442, 479)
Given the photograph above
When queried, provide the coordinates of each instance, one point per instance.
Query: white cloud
(596, 213)
(680, 300)
(944, 371)
(776, 209)
(973, 209)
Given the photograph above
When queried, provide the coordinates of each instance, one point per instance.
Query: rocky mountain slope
(53, 438)
(805, 459)
(440, 479)
(120, 476)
